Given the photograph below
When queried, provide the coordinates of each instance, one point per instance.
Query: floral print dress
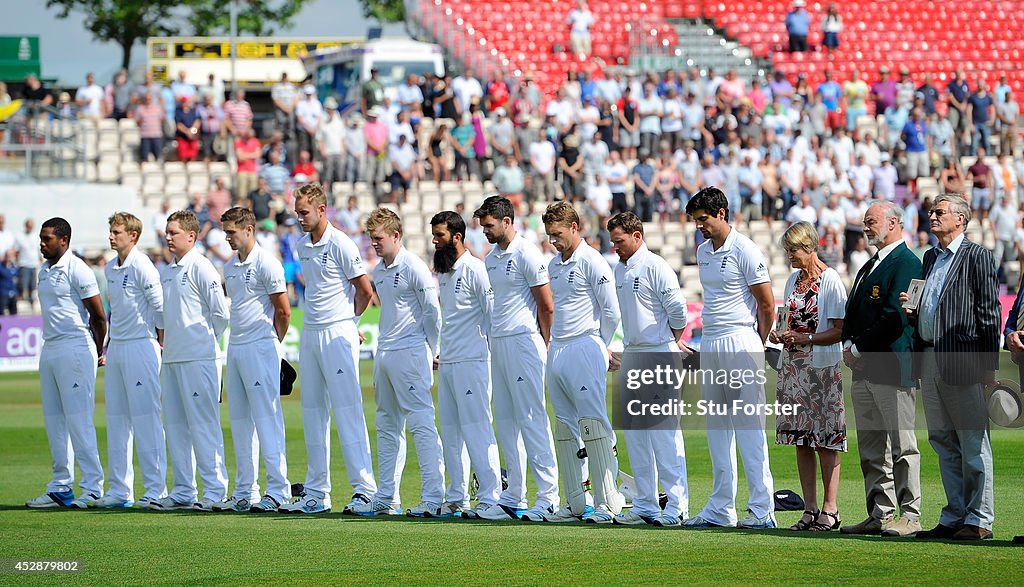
(820, 420)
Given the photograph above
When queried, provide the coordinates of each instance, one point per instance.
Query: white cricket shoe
(357, 500)
(112, 501)
(51, 499)
(536, 513)
(233, 504)
(451, 509)
(205, 505)
(376, 507)
(264, 506)
(631, 518)
(564, 515)
(168, 504)
(84, 501)
(600, 515)
(487, 511)
(307, 504)
(424, 509)
(667, 521)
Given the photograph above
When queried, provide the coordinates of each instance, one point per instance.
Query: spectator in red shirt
(305, 167)
(247, 154)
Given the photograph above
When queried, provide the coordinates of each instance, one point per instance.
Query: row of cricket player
(506, 326)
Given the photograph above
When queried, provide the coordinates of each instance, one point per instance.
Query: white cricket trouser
(329, 374)
(67, 376)
(192, 424)
(132, 397)
(658, 455)
(521, 418)
(577, 386)
(401, 388)
(464, 406)
(254, 403)
(740, 350)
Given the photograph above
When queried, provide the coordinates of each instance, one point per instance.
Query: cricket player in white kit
(260, 311)
(464, 371)
(73, 329)
(653, 319)
(194, 318)
(586, 316)
(337, 292)
(520, 331)
(132, 360)
(739, 309)
(410, 321)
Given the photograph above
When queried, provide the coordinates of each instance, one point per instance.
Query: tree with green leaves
(384, 10)
(127, 22)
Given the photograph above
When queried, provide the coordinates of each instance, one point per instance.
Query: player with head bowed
(337, 292)
(73, 330)
(738, 313)
(132, 360)
(410, 321)
(254, 280)
(653, 319)
(194, 318)
(519, 335)
(586, 316)
(464, 371)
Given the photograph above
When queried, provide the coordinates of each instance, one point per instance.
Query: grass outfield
(132, 547)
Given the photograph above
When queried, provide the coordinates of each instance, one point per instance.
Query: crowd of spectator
(782, 150)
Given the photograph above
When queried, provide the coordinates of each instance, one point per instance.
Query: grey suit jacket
(967, 319)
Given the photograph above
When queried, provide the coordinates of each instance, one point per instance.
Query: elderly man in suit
(957, 341)
(876, 346)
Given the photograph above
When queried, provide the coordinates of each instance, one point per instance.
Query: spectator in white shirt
(90, 99)
(330, 139)
(802, 212)
(542, 167)
(580, 21)
(884, 178)
(309, 114)
(861, 176)
(466, 87)
(409, 93)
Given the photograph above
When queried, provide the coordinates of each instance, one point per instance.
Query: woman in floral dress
(810, 376)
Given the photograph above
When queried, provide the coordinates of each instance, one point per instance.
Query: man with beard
(877, 339)
(519, 335)
(739, 310)
(410, 322)
(653, 318)
(337, 292)
(586, 316)
(260, 312)
(73, 330)
(463, 370)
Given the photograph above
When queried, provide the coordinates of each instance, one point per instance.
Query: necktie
(867, 270)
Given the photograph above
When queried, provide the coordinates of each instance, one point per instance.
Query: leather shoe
(870, 527)
(938, 532)
(969, 532)
(905, 526)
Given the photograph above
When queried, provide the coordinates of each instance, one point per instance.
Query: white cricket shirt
(583, 288)
(512, 273)
(466, 304)
(726, 276)
(410, 312)
(62, 287)
(136, 297)
(650, 300)
(328, 267)
(195, 311)
(250, 284)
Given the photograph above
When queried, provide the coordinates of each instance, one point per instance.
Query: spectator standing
(211, 117)
(1003, 222)
(27, 247)
(616, 174)
(629, 128)
(980, 117)
(8, 284)
(150, 118)
(330, 140)
(798, 23)
(275, 174)
(285, 97)
(375, 133)
(580, 19)
(218, 199)
(247, 154)
(650, 109)
(1007, 112)
(917, 141)
(237, 113)
(181, 88)
(883, 92)
(304, 170)
(884, 179)
(509, 180)
(979, 176)
(831, 26)
(373, 92)
(830, 94)
(958, 91)
(466, 87)
(259, 200)
(90, 99)
(119, 94)
(855, 93)
(403, 169)
(542, 167)
(309, 115)
(930, 95)
(409, 94)
(187, 124)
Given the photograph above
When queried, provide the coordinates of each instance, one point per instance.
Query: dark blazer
(967, 319)
(876, 323)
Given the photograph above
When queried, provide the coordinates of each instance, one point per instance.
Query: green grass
(135, 547)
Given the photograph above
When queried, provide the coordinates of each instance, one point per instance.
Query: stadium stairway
(705, 48)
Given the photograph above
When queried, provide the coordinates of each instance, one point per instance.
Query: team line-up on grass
(498, 331)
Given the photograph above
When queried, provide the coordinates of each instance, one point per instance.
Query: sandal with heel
(825, 527)
(803, 525)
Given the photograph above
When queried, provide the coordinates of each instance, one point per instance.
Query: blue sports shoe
(53, 499)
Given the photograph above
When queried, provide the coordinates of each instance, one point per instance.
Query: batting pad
(602, 463)
(566, 447)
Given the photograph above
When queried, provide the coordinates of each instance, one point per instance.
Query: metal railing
(39, 143)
